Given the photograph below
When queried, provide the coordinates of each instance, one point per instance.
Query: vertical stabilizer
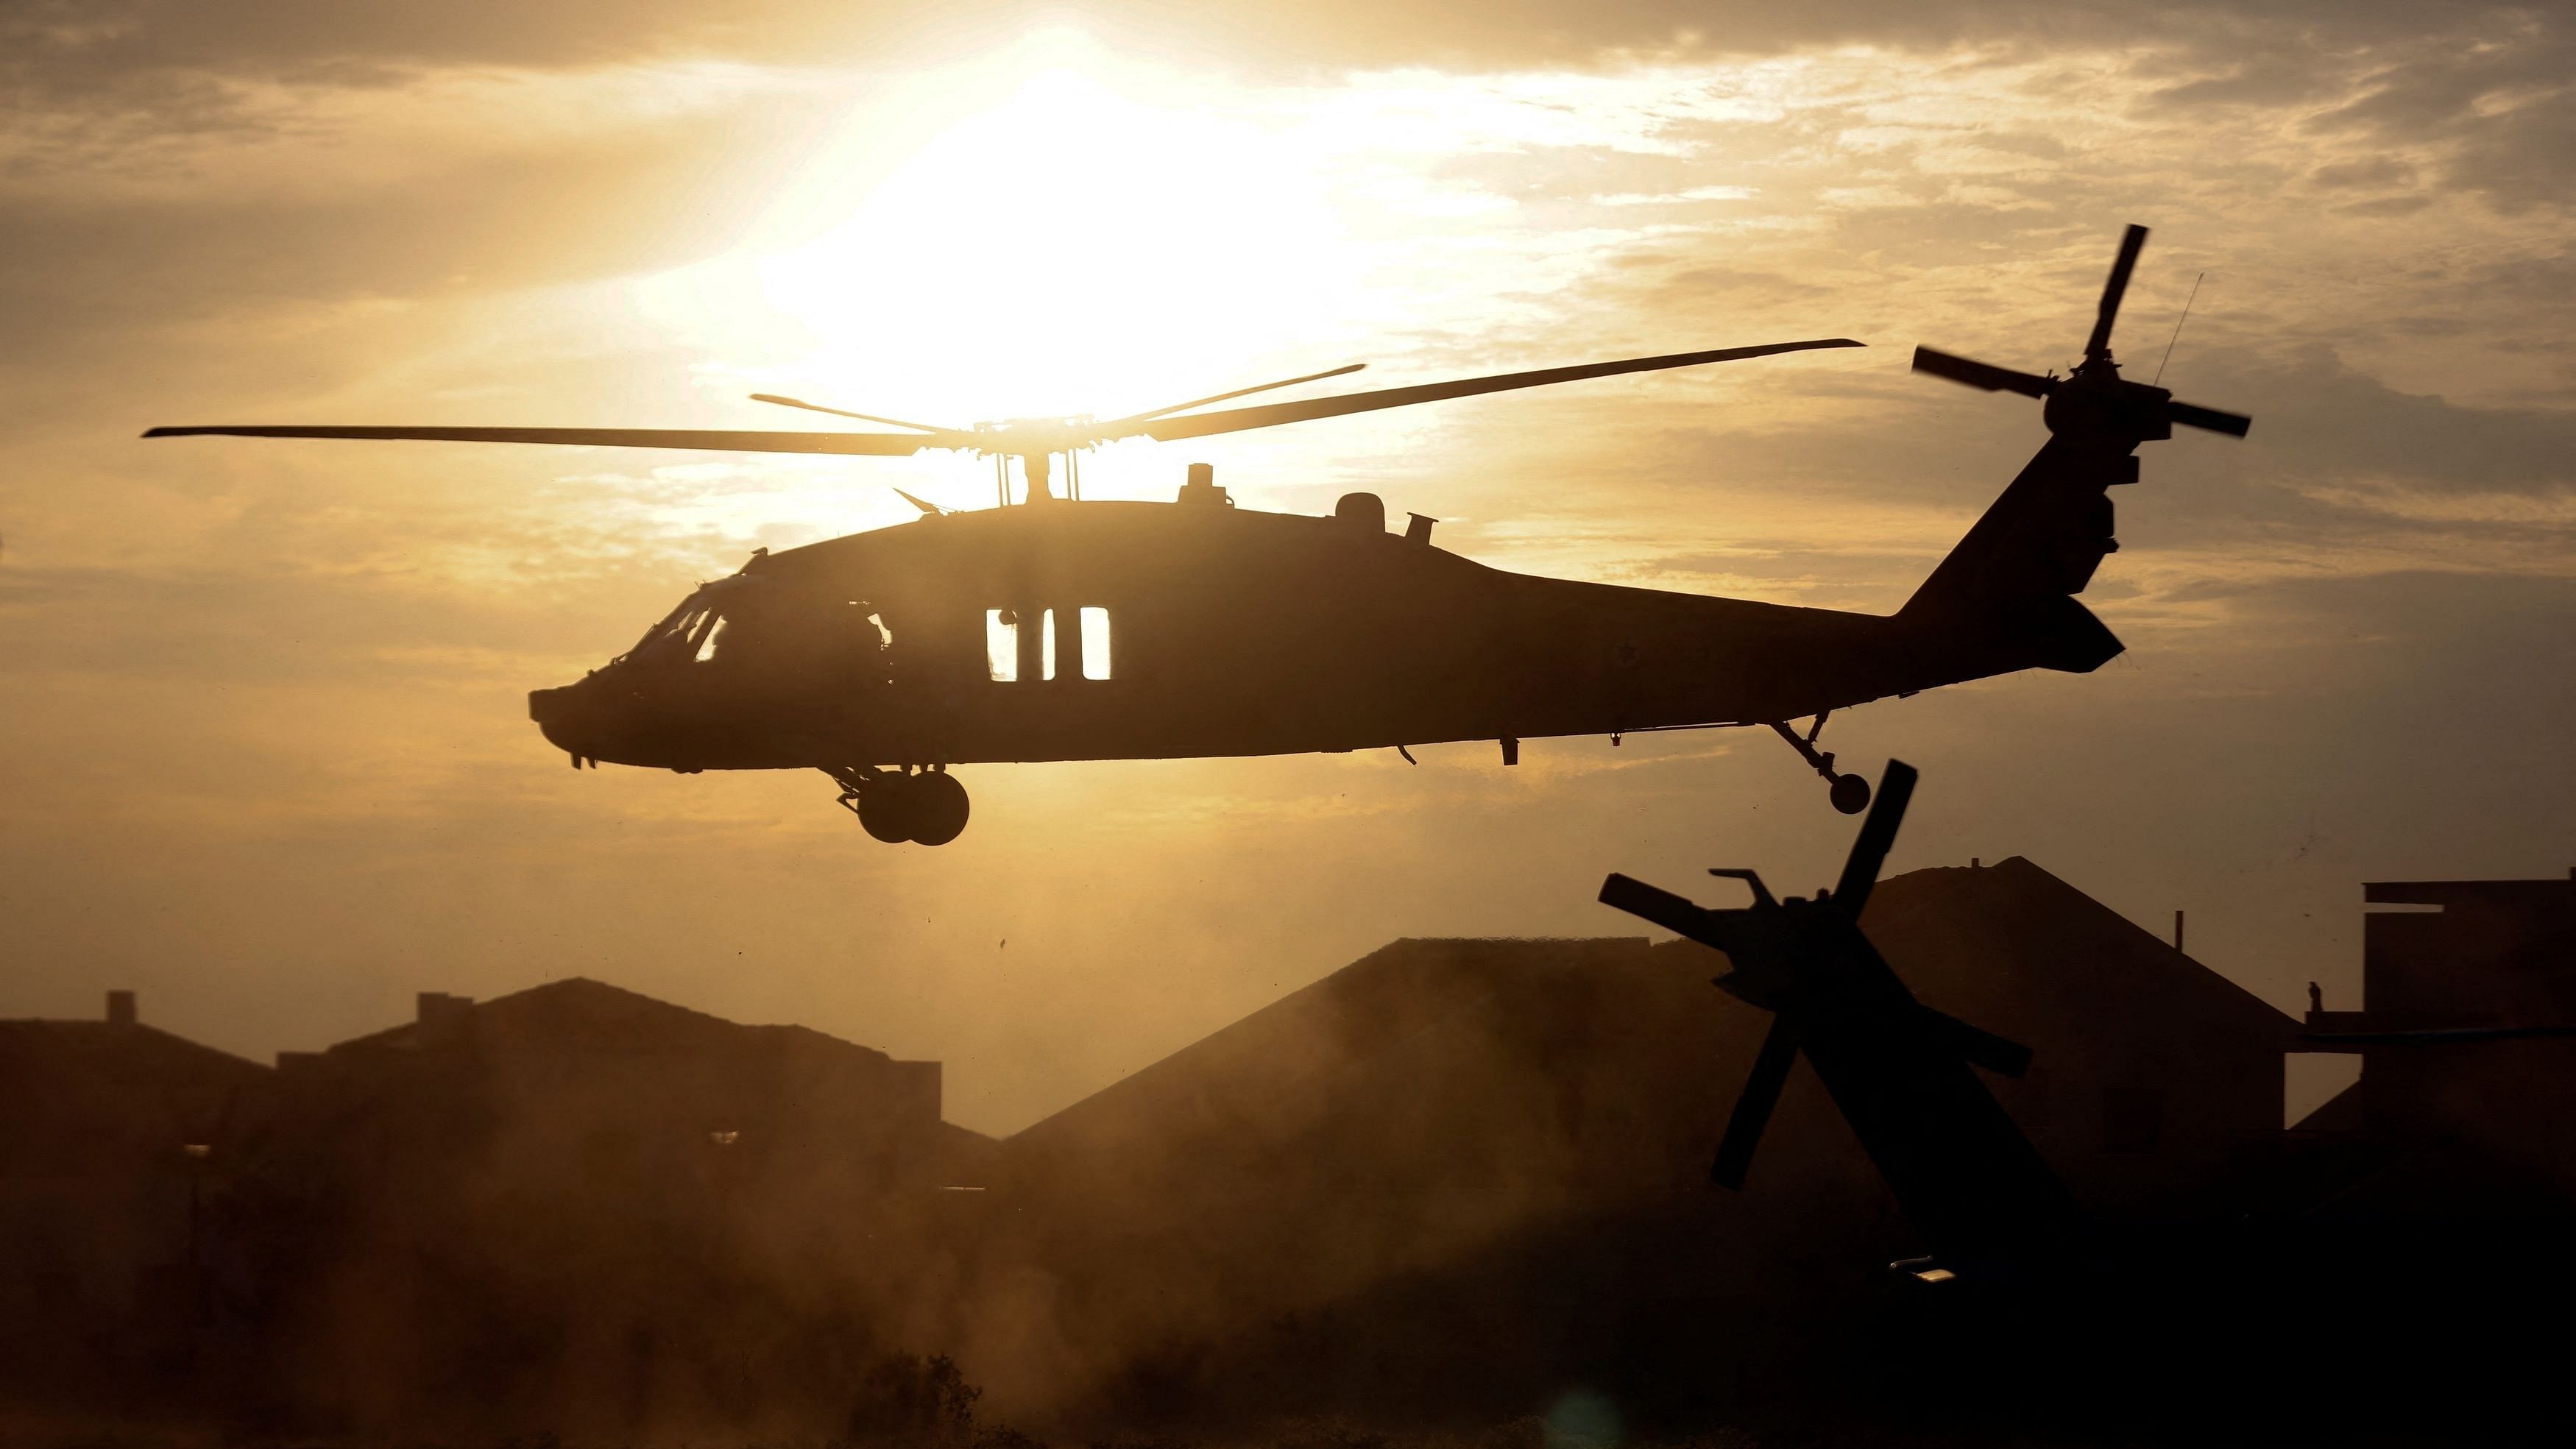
(2005, 597)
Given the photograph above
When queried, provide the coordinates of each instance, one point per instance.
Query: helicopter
(2029, 1304)
(1966, 1176)
(1056, 627)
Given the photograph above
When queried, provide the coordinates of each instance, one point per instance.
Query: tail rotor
(2094, 400)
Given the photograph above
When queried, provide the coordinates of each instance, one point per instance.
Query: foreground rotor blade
(2232, 424)
(811, 407)
(1235, 420)
(1978, 374)
(1877, 837)
(1238, 392)
(2001, 1055)
(887, 445)
(1753, 1107)
(2131, 241)
(1653, 903)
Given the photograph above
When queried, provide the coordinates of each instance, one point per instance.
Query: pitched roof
(581, 1012)
(109, 1050)
(77, 1095)
(2011, 938)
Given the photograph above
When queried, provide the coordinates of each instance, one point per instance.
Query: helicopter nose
(560, 717)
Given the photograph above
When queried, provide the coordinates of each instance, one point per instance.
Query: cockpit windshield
(742, 626)
(692, 633)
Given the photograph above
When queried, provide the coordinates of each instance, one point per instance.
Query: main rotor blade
(1877, 836)
(1235, 420)
(1238, 392)
(1979, 374)
(1753, 1106)
(811, 407)
(2232, 424)
(885, 445)
(2130, 242)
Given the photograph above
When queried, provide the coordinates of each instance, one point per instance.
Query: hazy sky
(263, 741)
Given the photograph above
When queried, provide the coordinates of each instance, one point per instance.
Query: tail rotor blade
(1877, 837)
(1978, 374)
(2232, 424)
(1753, 1108)
(2130, 243)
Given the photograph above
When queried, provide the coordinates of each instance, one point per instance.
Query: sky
(264, 753)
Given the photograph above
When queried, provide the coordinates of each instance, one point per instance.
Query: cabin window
(1084, 649)
(712, 640)
(1002, 644)
(1095, 643)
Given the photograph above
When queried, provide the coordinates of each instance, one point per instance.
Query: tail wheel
(938, 806)
(886, 808)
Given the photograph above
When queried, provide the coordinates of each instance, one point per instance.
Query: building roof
(80, 1093)
(578, 1012)
(2017, 944)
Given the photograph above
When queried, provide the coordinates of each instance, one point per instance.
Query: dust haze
(266, 759)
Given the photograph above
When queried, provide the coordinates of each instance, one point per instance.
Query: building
(112, 1134)
(577, 1086)
(1457, 1168)
(2466, 1033)
(2155, 1083)
(602, 1212)
(573, 1206)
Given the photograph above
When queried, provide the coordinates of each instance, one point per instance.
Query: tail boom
(2004, 598)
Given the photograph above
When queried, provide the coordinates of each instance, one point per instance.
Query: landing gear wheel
(886, 808)
(938, 807)
(1850, 794)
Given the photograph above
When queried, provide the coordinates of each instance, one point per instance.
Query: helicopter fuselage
(1121, 630)
(1064, 629)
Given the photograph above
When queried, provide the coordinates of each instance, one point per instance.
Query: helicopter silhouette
(1964, 1173)
(1059, 628)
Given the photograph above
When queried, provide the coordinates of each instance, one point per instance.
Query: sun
(1093, 240)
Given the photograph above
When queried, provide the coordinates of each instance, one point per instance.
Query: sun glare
(1058, 229)
(1078, 245)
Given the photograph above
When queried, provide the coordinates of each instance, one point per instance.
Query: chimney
(120, 1008)
(2177, 930)
(1202, 486)
(1419, 530)
(437, 1008)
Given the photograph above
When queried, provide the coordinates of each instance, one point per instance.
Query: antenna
(2177, 332)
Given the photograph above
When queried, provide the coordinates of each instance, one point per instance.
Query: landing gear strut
(1849, 793)
(927, 807)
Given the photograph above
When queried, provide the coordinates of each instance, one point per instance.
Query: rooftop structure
(2467, 1037)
